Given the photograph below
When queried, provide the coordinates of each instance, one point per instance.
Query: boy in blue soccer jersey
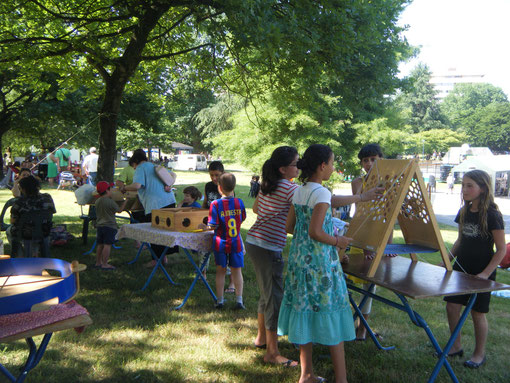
(226, 216)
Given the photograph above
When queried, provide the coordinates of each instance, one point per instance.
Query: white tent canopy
(490, 164)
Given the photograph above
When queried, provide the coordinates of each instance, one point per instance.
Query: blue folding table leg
(144, 244)
(420, 322)
(34, 357)
(444, 353)
(159, 264)
(357, 313)
(199, 275)
(94, 246)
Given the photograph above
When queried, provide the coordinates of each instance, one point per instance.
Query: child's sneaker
(219, 306)
(239, 306)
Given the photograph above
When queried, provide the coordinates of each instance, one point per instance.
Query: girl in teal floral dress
(315, 307)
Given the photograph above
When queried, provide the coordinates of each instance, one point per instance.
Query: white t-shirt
(302, 195)
(90, 162)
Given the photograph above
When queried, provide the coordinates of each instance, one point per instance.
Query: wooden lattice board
(404, 198)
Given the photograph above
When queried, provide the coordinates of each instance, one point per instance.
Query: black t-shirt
(476, 250)
(211, 194)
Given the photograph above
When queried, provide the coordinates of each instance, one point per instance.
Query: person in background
(211, 193)
(153, 194)
(63, 155)
(450, 182)
(191, 195)
(23, 173)
(52, 166)
(89, 165)
(31, 200)
(106, 224)
(254, 186)
(368, 154)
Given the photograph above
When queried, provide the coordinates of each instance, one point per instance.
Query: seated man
(26, 206)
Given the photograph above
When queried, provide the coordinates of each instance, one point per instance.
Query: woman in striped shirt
(265, 242)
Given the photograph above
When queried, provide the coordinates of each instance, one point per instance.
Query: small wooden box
(180, 219)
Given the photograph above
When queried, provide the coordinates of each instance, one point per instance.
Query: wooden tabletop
(419, 279)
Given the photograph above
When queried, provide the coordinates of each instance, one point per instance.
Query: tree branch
(172, 54)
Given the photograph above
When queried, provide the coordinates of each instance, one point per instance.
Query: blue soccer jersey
(226, 216)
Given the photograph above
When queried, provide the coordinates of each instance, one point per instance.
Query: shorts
(105, 235)
(232, 260)
(481, 304)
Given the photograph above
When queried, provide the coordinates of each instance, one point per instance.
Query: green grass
(137, 337)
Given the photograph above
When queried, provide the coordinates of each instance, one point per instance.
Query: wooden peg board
(180, 219)
(405, 199)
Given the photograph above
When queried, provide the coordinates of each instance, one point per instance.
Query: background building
(444, 82)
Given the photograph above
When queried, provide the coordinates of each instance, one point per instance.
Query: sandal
(230, 290)
(288, 363)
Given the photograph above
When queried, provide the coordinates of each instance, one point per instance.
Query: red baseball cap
(103, 186)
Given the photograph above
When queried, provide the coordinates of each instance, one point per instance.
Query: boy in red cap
(106, 225)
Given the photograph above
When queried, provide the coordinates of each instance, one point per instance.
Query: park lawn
(137, 337)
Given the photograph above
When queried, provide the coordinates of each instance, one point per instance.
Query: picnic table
(188, 241)
(416, 280)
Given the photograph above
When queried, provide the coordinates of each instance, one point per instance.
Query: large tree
(490, 126)
(418, 103)
(248, 46)
(465, 99)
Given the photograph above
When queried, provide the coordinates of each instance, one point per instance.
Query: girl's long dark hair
(282, 156)
(315, 155)
(483, 180)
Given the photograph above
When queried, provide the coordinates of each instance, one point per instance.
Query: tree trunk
(115, 84)
(108, 131)
(1, 159)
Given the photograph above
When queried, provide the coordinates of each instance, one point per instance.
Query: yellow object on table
(357, 252)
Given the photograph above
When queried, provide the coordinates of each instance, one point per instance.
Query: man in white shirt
(89, 165)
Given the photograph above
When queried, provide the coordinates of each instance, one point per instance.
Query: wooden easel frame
(405, 198)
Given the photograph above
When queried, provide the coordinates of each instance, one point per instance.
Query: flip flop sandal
(288, 363)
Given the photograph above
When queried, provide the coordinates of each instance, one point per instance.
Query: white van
(190, 162)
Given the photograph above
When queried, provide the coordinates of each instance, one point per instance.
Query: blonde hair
(486, 200)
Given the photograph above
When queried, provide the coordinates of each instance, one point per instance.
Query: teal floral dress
(315, 305)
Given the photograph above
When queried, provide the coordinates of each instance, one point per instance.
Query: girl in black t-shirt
(480, 227)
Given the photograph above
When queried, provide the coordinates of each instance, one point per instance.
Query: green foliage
(466, 99)
(392, 141)
(490, 126)
(336, 179)
(261, 127)
(439, 140)
(249, 47)
(418, 103)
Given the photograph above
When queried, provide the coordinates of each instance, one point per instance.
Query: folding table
(147, 234)
(417, 280)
